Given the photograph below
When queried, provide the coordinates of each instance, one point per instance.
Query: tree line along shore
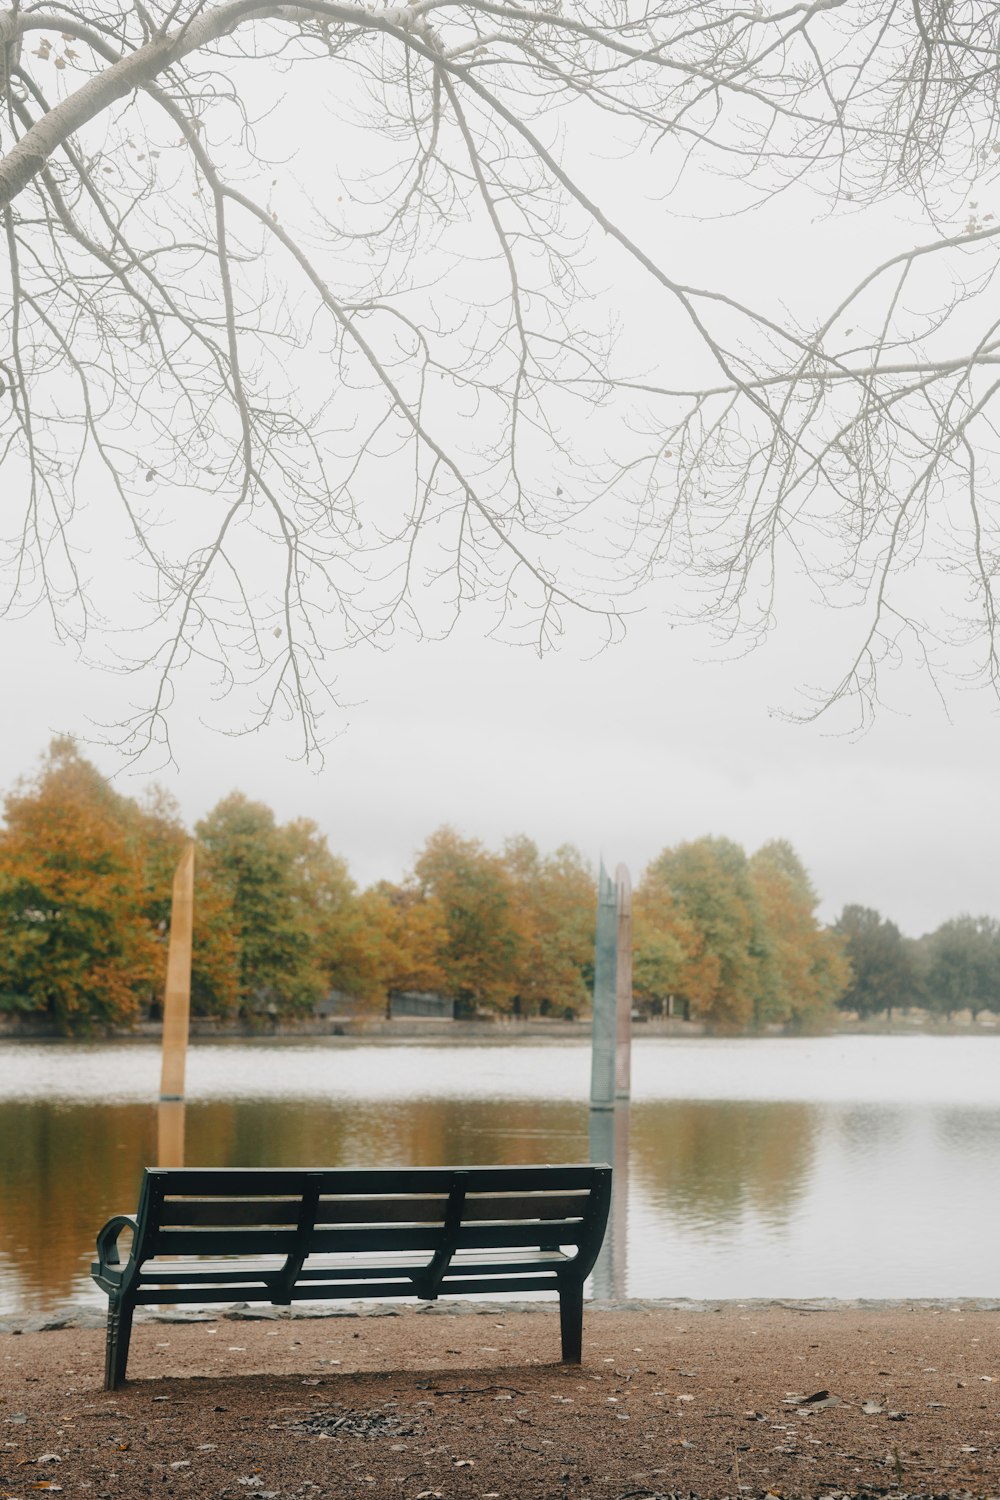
(726, 939)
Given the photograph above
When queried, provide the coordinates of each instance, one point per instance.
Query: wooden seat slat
(542, 1283)
(317, 1268)
(282, 1242)
(246, 1240)
(224, 1213)
(549, 1232)
(278, 1182)
(220, 1213)
(428, 1237)
(281, 1235)
(489, 1206)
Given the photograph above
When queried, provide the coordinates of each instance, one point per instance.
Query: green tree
(963, 966)
(881, 967)
(670, 961)
(269, 876)
(708, 884)
(215, 950)
(554, 900)
(327, 901)
(803, 969)
(483, 949)
(79, 946)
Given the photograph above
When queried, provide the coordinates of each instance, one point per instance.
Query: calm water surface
(836, 1167)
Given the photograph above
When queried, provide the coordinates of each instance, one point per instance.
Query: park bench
(259, 1234)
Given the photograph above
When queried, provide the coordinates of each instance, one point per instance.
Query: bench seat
(244, 1234)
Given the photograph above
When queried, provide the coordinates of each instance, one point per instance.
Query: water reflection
(964, 1130)
(170, 1120)
(709, 1162)
(63, 1171)
(608, 1134)
(65, 1168)
(730, 1197)
(871, 1127)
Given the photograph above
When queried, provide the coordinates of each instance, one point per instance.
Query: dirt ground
(739, 1400)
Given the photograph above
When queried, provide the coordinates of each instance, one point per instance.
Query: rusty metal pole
(177, 1000)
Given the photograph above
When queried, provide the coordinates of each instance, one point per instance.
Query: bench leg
(116, 1349)
(571, 1321)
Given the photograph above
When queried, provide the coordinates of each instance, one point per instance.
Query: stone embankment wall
(501, 1030)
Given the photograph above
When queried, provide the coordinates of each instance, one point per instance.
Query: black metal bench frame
(259, 1234)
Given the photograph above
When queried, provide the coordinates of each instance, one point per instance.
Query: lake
(830, 1167)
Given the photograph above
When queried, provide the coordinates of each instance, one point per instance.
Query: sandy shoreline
(681, 1399)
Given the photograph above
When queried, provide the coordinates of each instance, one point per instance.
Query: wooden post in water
(177, 1000)
(623, 985)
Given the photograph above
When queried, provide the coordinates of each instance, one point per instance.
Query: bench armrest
(108, 1264)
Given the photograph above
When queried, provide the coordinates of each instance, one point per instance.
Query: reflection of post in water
(609, 1130)
(170, 1133)
(623, 984)
(177, 999)
(611, 1068)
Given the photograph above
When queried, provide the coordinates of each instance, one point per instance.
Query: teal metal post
(623, 985)
(602, 1066)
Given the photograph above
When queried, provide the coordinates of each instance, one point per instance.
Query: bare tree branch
(311, 378)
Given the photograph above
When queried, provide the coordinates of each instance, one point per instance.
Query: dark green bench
(261, 1234)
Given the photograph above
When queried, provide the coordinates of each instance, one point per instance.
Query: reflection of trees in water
(869, 1128)
(968, 1131)
(64, 1169)
(423, 1132)
(712, 1160)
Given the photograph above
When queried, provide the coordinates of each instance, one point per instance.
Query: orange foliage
(482, 946)
(79, 946)
(554, 906)
(404, 932)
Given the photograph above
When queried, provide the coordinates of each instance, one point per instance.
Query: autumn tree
(802, 969)
(328, 902)
(881, 976)
(328, 441)
(670, 960)
(483, 948)
(738, 940)
(555, 904)
(78, 947)
(708, 884)
(406, 934)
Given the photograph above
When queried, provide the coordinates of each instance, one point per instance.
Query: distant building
(338, 1005)
(417, 1004)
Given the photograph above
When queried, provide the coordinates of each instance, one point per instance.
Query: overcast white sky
(623, 755)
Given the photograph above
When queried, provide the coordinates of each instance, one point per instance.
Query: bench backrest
(295, 1213)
